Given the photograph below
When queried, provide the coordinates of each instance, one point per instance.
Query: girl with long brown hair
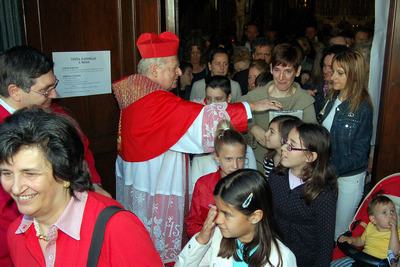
(239, 230)
(348, 117)
(304, 195)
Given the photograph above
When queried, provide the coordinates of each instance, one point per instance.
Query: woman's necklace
(39, 233)
(342, 97)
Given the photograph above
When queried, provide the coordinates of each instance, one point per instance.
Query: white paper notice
(82, 73)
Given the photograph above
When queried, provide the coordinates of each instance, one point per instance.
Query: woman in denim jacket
(348, 116)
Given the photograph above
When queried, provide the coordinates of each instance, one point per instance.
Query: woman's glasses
(290, 147)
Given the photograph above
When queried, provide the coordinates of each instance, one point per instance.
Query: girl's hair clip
(247, 202)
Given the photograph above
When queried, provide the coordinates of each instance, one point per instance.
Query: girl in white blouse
(245, 234)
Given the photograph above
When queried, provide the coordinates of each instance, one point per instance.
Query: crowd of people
(252, 155)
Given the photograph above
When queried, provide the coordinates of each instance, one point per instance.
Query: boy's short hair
(220, 82)
(260, 42)
(286, 54)
(378, 199)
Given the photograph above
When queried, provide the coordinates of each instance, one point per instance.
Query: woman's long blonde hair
(356, 88)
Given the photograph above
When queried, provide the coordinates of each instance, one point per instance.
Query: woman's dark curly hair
(55, 135)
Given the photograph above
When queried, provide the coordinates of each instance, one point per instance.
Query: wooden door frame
(387, 147)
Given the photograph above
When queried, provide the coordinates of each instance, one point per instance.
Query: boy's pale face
(216, 95)
(230, 158)
(384, 216)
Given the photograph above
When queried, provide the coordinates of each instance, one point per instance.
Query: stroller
(390, 187)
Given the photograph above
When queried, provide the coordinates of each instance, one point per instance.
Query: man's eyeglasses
(48, 91)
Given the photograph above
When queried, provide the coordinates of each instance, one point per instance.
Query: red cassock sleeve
(238, 115)
(153, 124)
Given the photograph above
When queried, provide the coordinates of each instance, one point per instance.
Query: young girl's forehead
(274, 124)
(385, 204)
(222, 205)
(235, 147)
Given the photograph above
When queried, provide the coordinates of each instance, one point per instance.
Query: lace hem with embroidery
(162, 216)
(212, 115)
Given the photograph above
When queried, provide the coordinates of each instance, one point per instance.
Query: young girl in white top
(239, 230)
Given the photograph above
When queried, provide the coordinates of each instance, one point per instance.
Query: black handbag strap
(98, 234)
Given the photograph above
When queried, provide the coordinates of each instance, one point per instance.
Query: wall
(387, 149)
(82, 25)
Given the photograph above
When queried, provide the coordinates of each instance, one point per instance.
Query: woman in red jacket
(42, 167)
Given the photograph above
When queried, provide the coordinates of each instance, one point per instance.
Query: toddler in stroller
(375, 228)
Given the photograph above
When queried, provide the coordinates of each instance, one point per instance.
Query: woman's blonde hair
(354, 66)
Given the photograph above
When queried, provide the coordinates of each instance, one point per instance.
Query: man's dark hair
(221, 82)
(21, 65)
(332, 49)
(261, 41)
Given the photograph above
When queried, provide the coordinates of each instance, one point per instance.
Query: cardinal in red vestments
(157, 129)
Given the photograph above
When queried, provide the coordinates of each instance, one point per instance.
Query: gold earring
(66, 184)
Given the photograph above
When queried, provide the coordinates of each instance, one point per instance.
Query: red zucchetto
(151, 45)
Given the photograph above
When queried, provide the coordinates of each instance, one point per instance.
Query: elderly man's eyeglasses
(48, 91)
